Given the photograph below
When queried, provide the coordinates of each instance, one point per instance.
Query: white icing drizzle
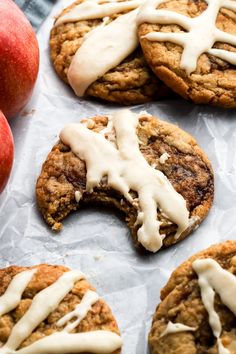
(81, 310)
(104, 48)
(175, 328)
(42, 305)
(99, 342)
(126, 169)
(90, 10)
(213, 278)
(201, 34)
(12, 297)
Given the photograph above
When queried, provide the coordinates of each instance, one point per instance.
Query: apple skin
(6, 151)
(19, 58)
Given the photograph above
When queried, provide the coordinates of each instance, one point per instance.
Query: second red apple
(6, 151)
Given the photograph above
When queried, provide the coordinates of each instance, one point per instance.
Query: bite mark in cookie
(207, 304)
(44, 304)
(103, 47)
(123, 168)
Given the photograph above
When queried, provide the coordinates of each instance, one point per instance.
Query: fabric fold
(36, 11)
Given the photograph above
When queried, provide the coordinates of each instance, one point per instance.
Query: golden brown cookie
(165, 147)
(31, 302)
(131, 82)
(213, 80)
(182, 303)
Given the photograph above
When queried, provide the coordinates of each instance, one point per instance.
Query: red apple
(19, 58)
(6, 151)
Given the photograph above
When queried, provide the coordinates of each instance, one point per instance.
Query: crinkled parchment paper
(97, 240)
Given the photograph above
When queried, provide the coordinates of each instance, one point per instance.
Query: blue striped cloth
(36, 10)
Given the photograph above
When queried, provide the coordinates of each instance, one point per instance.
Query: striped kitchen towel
(36, 10)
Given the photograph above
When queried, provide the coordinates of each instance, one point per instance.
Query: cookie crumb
(164, 157)
(78, 196)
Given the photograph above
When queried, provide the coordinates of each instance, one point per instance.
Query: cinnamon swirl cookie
(197, 310)
(151, 170)
(191, 46)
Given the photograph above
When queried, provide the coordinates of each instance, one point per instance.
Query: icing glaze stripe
(12, 297)
(176, 328)
(81, 310)
(99, 342)
(89, 10)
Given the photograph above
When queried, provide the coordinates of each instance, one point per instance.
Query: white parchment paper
(97, 241)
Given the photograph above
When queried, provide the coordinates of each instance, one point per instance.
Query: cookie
(197, 310)
(191, 46)
(110, 67)
(50, 309)
(152, 171)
